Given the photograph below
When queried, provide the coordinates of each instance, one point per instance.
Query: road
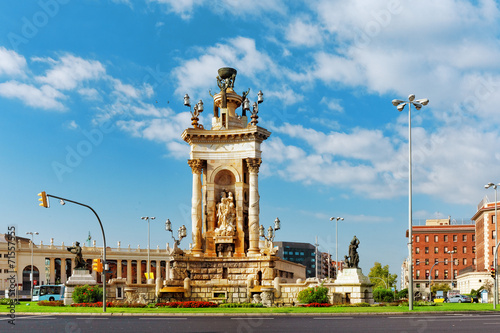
(483, 323)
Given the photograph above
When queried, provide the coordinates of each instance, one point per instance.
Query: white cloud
(44, 97)
(300, 33)
(11, 63)
(69, 71)
(332, 104)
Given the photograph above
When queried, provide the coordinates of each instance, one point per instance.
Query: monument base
(79, 277)
(355, 287)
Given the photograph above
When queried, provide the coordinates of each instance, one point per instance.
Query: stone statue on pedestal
(353, 254)
(79, 262)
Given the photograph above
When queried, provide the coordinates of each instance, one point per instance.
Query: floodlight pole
(418, 105)
(104, 248)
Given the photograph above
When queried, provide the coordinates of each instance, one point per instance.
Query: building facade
(440, 250)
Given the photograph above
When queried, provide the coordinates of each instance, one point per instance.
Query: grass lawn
(33, 307)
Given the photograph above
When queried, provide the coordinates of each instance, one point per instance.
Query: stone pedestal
(355, 287)
(79, 277)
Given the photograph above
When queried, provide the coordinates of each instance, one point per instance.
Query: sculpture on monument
(226, 214)
(77, 250)
(353, 260)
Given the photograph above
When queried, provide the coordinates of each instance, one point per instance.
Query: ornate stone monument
(225, 259)
(80, 275)
(356, 287)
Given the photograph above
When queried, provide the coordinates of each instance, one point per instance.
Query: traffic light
(43, 199)
(492, 272)
(97, 265)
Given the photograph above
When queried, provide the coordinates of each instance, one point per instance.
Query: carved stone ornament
(197, 165)
(253, 164)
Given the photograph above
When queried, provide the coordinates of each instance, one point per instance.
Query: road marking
(332, 318)
(252, 318)
(92, 318)
(167, 318)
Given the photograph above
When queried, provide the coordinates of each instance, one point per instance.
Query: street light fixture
(336, 219)
(271, 232)
(495, 260)
(147, 218)
(452, 264)
(400, 106)
(181, 232)
(32, 244)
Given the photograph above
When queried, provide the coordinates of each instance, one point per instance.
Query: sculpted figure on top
(226, 215)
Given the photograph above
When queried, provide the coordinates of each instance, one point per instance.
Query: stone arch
(220, 168)
(26, 276)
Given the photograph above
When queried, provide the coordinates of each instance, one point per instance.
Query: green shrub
(50, 303)
(318, 294)
(87, 294)
(383, 295)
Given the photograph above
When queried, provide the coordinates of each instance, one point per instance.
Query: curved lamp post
(336, 219)
(400, 104)
(32, 244)
(495, 261)
(271, 232)
(181, 232)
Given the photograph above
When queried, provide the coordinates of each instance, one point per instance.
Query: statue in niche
(226, 215)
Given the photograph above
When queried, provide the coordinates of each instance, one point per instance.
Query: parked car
(459, 299)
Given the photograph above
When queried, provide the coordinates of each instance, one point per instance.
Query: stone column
(52, 271)
(196, 218)
(139, 271)
(129, 271)
(64, 278)
(253, 206)
(158, 269)
(118, 268)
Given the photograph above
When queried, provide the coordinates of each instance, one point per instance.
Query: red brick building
(434, 246)
(485, 230)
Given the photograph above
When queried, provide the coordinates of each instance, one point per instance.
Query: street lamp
(32, 244)
(336, 219)
(400, 106)
(452, 264)
(181, 233)
(495, 261)
(147, 218)
(271, 232)
(255, 107)
(198, 108)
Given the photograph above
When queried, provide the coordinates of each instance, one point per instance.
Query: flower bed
(91, 305)
(316, 305)
(50, 303)
(190, 304)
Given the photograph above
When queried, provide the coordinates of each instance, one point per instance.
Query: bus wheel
(51, 299)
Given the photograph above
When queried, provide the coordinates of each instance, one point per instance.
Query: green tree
(383, 295)
(445, 287)
(381, 276)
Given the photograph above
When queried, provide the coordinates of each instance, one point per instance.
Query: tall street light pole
(400, 106)
(32, 244)
(336, 219)
(495, 261)
(452, 264)
(147, 218)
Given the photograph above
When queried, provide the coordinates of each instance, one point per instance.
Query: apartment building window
(436, 273)
(427, 238)
(436, 238)
(455, 274)
(493, 250)
(473, 261)
(446, 249)
(456, 262)
(417, 239)
(473, 249)
(426, 273)
(436, 260)
(455, 238)
(426, 249)
(417, 261)
(464, 249)
(417, 250)
(494, 219)
(454, 249)
(417, 285)
(445, 238)
(418, 273)
(464, 238)
(446, 261)
(493, 234)
(473, 238)
(427, 261)
(465, 261)
(445, 273)
(436, 249)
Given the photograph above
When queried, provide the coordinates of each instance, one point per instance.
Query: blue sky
(91, 105)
